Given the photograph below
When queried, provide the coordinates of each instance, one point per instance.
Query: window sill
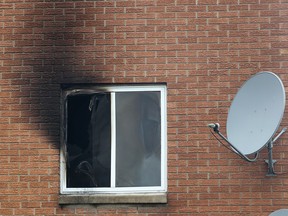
(113, 198)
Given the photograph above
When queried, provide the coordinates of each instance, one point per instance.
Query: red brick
(7, 211)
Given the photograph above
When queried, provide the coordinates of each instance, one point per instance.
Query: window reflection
(138, 139)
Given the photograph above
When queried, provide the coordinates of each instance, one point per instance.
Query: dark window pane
(100, 138)
(138, 134)
(88, 140)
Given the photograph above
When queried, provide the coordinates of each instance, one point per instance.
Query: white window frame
(114, 89)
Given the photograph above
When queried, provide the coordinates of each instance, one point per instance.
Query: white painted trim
(164, 144)
(116, 88)
(113, 141)
(122, 190)
(63, 146)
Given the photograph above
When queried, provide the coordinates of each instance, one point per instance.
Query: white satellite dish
(256, 112)
(280, 212)
(255, 115)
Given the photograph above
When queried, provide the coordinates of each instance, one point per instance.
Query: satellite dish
(256, 112)
(254, 116)
(280, 212)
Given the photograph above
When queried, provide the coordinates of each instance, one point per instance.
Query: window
(113, 139)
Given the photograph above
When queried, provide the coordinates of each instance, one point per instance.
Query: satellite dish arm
(280, 134)
(216, 127)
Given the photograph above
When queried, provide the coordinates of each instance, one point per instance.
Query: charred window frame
(113, 139)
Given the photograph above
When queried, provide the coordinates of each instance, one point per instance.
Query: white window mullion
(113, 141)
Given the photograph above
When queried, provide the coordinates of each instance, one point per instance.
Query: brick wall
(203, 49)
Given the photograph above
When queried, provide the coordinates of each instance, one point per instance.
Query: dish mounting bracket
(270, 162)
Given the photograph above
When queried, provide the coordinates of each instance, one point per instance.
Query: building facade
(201, 51)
